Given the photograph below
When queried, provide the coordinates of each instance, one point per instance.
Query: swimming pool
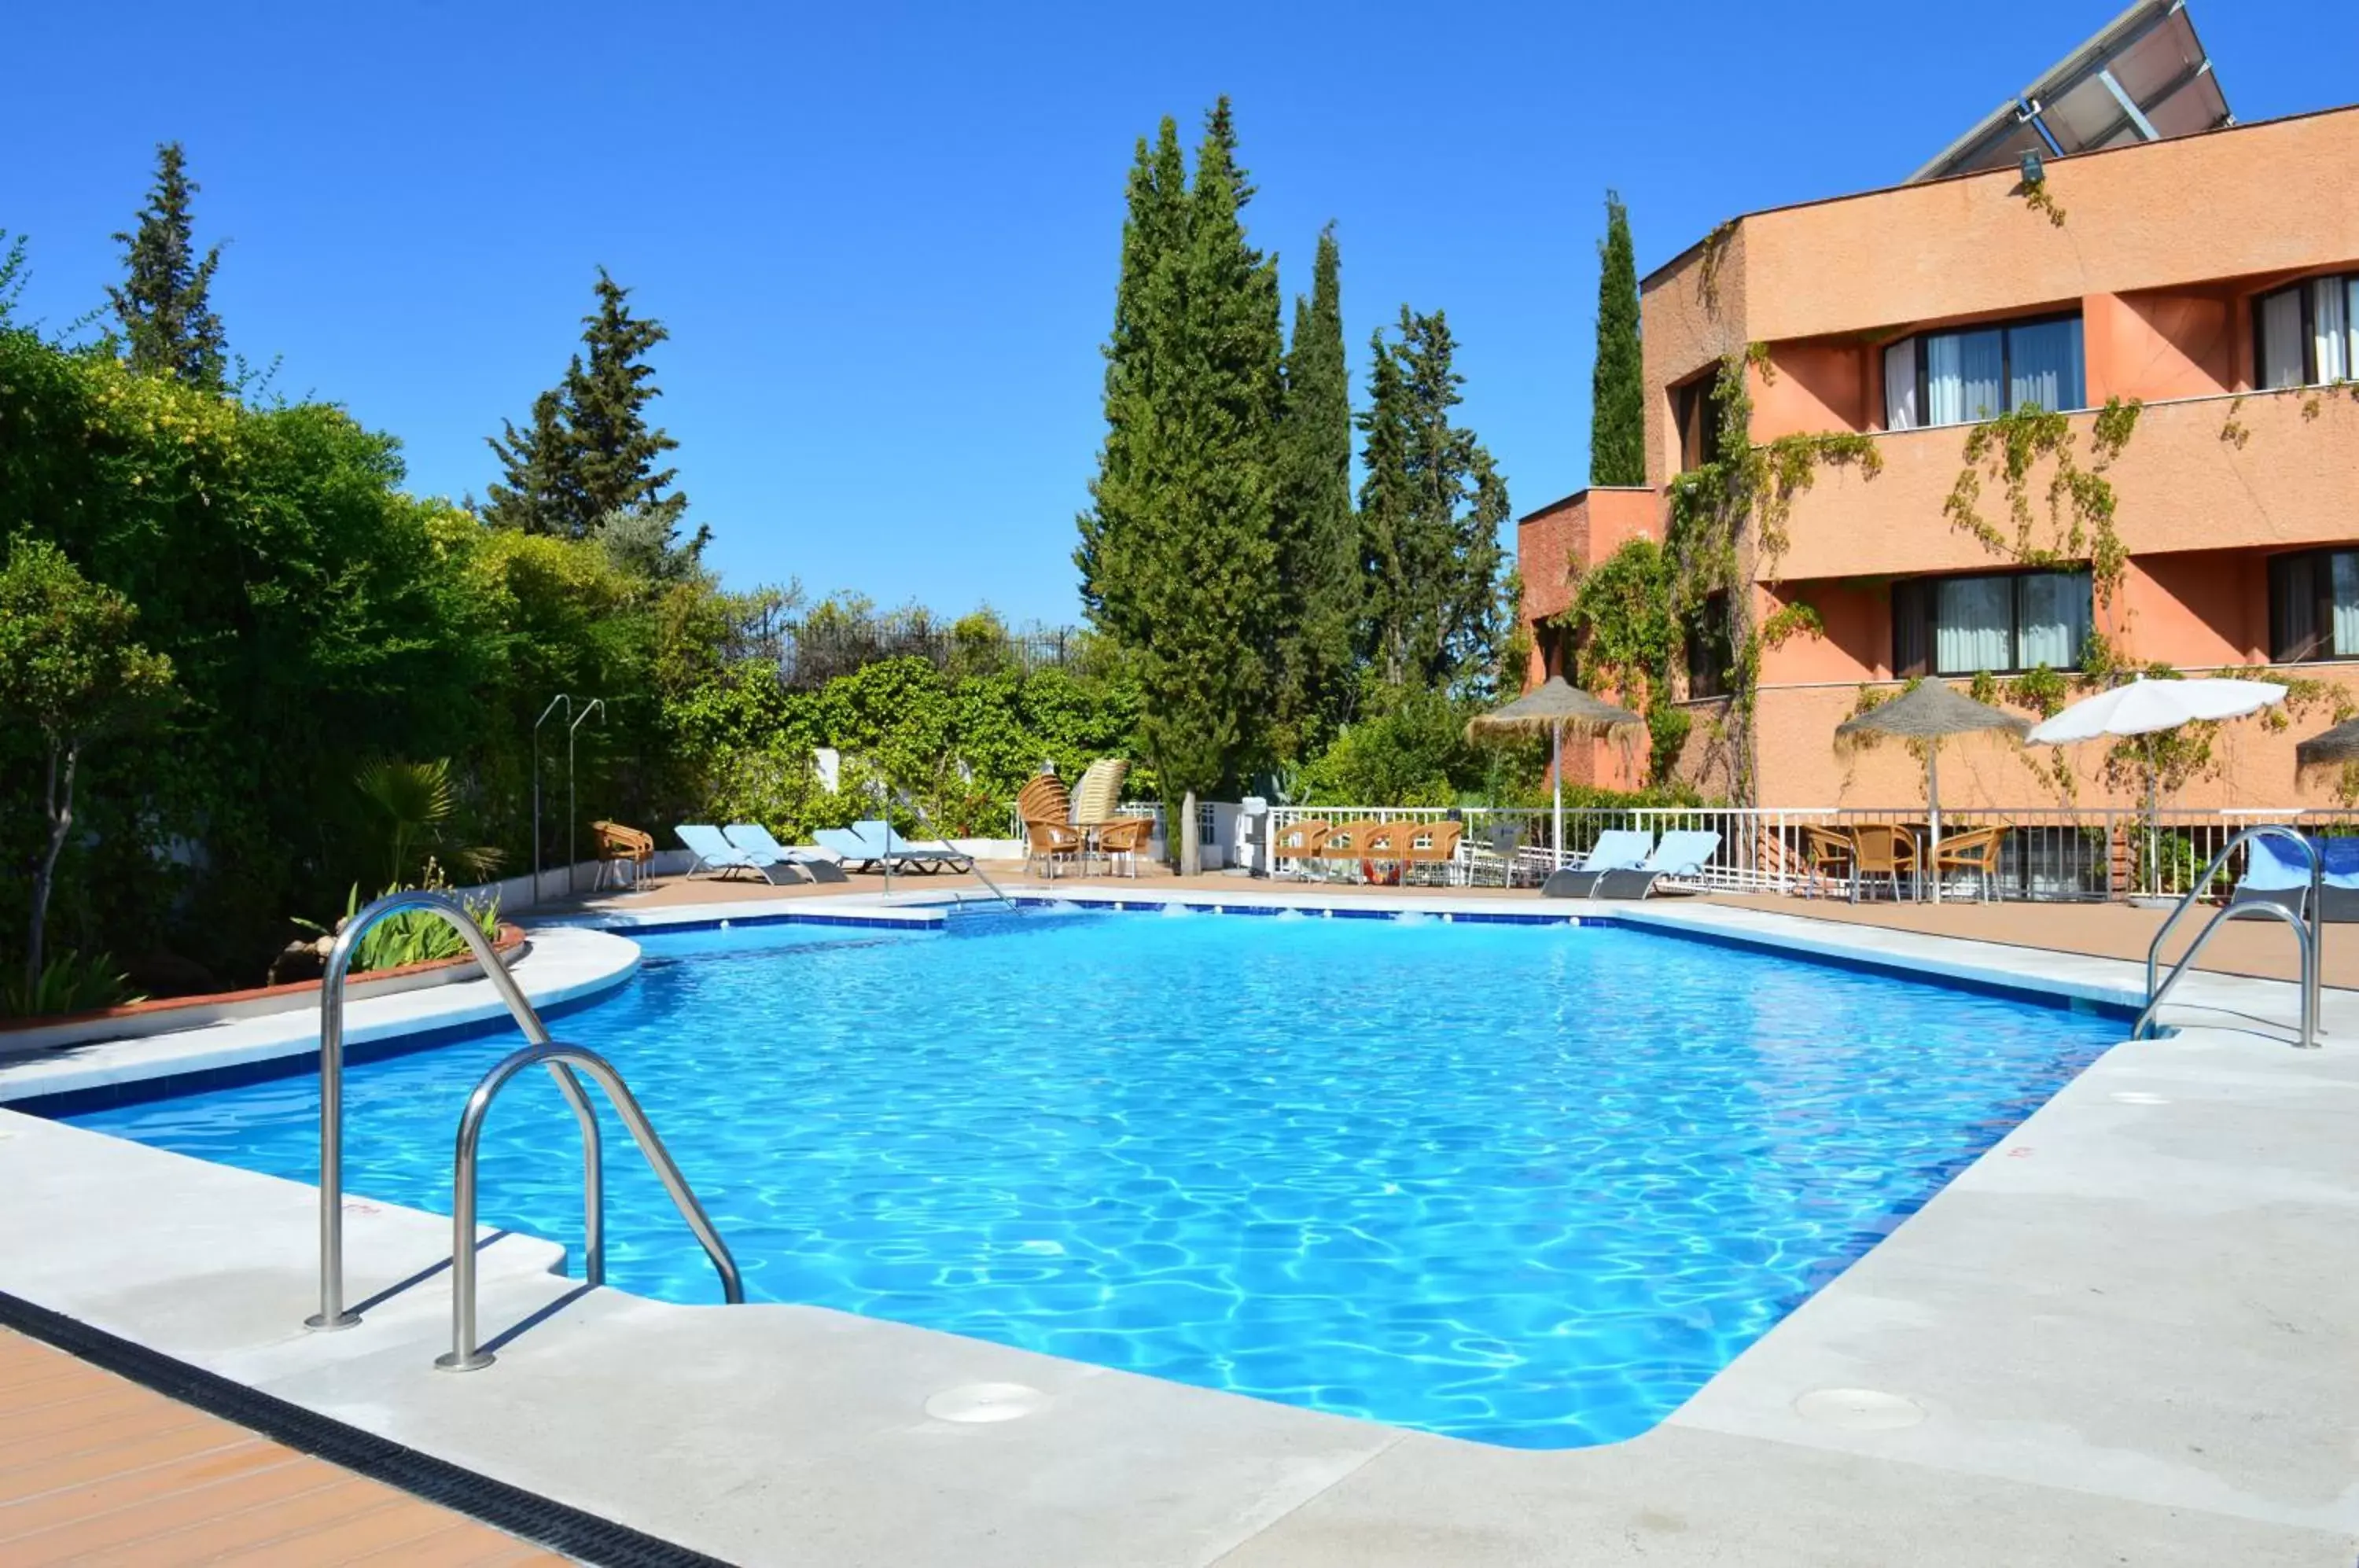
(1525, 1185)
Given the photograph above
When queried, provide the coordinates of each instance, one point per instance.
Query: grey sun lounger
(1617, 849)
(816, 864)
(1681, 854)
(716, 855)
(873, 843)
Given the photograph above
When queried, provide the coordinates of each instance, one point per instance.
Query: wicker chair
(1879, 849)
(1975, 850)
(1121, 841)
(1431, 847)
(1829, 853)
(1297, 842)
(1097, 799)
(618, 846)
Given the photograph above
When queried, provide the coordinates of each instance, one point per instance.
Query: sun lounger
(718, 856)
(1617, 849)
(873, 843)
(1681, 854)
(819, 865)
(2277, 873)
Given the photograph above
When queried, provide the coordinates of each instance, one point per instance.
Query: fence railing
(809, 657)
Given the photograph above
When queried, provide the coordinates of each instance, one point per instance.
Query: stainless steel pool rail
(465, 1355)
(2308, 928)
(332, 1313)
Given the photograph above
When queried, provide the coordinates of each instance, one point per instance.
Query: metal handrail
(464, 1355)
(2307, 931)
(332, 1313)
(974, 865)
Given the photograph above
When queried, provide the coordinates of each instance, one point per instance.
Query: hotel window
(2002, 623)
(1697, 408)
(1955, 378)
(2307, 334)
(2314, 606)
(1711, 656)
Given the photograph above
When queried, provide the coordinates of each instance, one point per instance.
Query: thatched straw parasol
(1932, 711)
(2332, 748)
(1551, 708)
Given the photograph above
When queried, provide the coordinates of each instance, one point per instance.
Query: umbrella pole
(1933, 812)
(1557, 826)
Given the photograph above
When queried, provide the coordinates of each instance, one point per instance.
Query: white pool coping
(2130, 1332)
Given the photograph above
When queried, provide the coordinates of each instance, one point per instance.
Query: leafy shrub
(414, 936)
(69, 982)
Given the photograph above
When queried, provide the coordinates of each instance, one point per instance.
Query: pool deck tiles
(97, 1470)
(2131, 1329)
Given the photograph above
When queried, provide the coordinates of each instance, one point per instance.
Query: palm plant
(417, 799)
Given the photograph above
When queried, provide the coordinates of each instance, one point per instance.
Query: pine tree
(1317, 545)
(1617, 416)
(1431, 506)
(538, 496)
(1205, 586)
(169, 325)
(1140, 357)
(589, 453)
(615, 450)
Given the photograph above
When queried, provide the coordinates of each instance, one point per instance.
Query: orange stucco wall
(1557, 543)
(1801, 765)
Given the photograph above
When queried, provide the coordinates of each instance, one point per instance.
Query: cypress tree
(1140, 357)
(1430, 507)
(169, 325)
(1617, 416)
(1318, 547)
(1205, 588)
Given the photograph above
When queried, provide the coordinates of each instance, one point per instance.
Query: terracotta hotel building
(2207, 270)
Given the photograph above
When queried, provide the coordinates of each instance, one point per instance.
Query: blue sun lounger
(1617, 849)
(818, 865)
(2277, 873)
(715, 854)
(1681, 854)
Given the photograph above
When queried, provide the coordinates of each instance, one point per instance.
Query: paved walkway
(97, 1470)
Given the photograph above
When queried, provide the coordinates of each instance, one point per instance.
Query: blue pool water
(1529, 1186)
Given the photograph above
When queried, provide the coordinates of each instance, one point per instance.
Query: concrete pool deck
(2129, 1334)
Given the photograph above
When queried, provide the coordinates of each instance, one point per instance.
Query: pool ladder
(560, 1060)
(2306, 931)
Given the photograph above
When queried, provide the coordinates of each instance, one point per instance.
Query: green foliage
(70, 672)
(1618, 415)
(1319, 549)
(12, 273)
(168, 319)
(1627, 629)
(1412, 752)
(414, 936)
(69, 983)
(1178, 554)
(1431, 506)
(586, 468)
(2080, 500)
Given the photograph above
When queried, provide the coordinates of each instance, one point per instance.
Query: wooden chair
(1431, 844)
(1975, 850)
(1297, 842)
(1828, 853)
(1879, 849)
(1121, 839)
(619, 846)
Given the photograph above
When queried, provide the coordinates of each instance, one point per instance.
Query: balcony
(2270, 470)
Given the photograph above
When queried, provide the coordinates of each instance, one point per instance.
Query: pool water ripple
(1525, 1186)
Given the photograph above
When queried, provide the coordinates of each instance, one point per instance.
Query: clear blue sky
(884, 236)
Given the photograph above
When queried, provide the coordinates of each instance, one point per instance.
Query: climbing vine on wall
(2079, 499)
(1727, 531)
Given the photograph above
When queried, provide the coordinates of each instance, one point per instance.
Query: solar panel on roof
(2144, 78)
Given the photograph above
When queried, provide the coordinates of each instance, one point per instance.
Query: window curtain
(2281, 357)
(2329, 328)
(1962, 373)
(2054, 624)
(2045, 362)
(1972, 620)
(1900, 386)
(2293, 608)
(2346, 604)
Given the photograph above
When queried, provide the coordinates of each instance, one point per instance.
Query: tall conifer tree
(1617, 416)
(1318, 547)
(1431, 506)
(590, 453)
(164, 305)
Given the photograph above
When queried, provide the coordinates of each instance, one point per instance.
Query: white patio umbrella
(2145, 707)
(1551, 708)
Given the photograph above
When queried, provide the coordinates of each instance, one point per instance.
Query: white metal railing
(2047, 853)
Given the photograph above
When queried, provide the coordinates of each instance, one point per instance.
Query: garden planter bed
(135, 1019)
